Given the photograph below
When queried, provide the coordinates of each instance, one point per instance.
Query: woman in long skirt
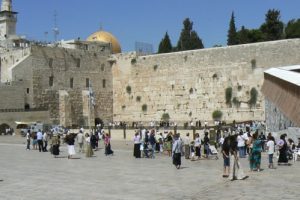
(137, 145)
(89, 151)
(108, 150)
(256, 153)
(282, 160)
(55, 141)
(176, 150)
(168, 143)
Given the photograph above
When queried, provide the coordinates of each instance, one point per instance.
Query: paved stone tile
(33, 175)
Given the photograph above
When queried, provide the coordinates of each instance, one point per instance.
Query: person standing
(28, 140)
(168, 143)
(186, 142)
(226, 157)
(206, 145)
(152, 142)
(198, 146)
(39, 137)
(55, 142)
(236, 171)
(256, 153)
(241, 145)
(89, 150)
(282, 160)
(271, 148)
(137, 145)
(108, 150)
(45, 141)
(70, 140)
(80, 140)
(176, 151)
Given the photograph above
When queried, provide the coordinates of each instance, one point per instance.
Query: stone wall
(190, 85)
(9, 58)
(11, 97)
(63, 65)
(275, 119)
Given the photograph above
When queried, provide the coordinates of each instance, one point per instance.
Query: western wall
(190, 85)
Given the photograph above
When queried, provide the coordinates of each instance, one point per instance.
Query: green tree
(273, 27)
(292, 29)
(232, 37)
(189, 38)
(165, 45)
(255, 35)
(243, 35)
(196, 42)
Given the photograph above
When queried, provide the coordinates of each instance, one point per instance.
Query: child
(271, 148)
(192, 150)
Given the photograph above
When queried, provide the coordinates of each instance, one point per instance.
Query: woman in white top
(137, 144)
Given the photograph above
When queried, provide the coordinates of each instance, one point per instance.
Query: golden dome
(103, 36)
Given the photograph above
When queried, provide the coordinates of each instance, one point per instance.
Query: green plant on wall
(239, 87)
(144, 107)
(253, 63)
(165, 117)
(133, 61)
(138, 98)
(253, 97)
(236, 102)
(217, 115)
(228, 95)
(128, 89)
(155, 67)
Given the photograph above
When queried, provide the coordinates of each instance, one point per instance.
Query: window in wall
(71, 82)
(27, 90)
(78, 62)
(87, 82)
(50, 62)
(51, 81)
(103, 83)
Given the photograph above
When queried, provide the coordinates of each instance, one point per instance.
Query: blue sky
(144, 20)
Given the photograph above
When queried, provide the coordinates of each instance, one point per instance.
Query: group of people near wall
(87, 143)
(149, 142)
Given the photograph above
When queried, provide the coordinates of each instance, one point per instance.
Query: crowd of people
(242, 141)
(87, 143)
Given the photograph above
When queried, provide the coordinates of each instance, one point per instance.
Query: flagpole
(89, 113)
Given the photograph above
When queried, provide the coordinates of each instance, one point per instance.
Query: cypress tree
(184, 42)
(165, 45)
(232, 38)
(196, 42)
(189, 38)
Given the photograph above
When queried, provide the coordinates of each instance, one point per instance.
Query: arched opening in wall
(27, 106)
(5, 129)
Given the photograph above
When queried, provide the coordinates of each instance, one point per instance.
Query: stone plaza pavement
(30, 175)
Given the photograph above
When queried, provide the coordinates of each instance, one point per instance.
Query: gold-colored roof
(103, 36)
